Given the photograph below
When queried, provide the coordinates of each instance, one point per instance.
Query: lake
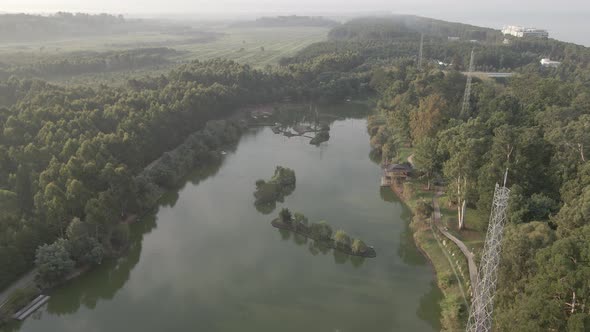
(208, 260)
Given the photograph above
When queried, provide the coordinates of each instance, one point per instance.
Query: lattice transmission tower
(482, 306)
(467, 95)
(420, 52)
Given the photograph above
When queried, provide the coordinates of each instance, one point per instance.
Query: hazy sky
(567, 19)
(171, 6)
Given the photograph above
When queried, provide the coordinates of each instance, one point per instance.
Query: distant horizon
(562, 25)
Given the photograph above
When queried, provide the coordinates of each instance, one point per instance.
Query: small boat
(223, 153)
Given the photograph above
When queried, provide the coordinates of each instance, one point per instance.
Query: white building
(518, 31)
(549, 63)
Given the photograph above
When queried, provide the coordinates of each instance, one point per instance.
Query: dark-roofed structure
(391, 172)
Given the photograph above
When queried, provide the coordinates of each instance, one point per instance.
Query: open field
(257, 47)
(254, 46)
(244, 45)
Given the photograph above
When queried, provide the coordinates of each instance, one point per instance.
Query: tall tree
(23, 189)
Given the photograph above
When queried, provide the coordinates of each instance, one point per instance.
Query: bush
(321, 231)
(424, 210)
(285, 215)
(342, 239)
(53, 263)
(120, 235)
(358, 246)
(300, 219)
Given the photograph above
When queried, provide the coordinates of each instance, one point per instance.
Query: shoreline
(453, 307)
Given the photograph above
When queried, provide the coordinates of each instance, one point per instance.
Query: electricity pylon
(467, 95)
(482, 306)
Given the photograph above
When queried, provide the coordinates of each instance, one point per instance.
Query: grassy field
(257, 47)
(243, 45)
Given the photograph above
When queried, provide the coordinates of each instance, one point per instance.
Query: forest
(536, 126)
(61, 25)
(89, 62)
(77, 161)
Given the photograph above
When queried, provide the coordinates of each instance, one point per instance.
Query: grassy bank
(452, 272)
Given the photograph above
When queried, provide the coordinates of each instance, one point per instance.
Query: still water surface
(209, 261)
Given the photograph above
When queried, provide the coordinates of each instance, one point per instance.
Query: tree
(358, 246)
(342, 239)
(465, 148)
(83, 248)
(285, 215)
(427, 119)
(425, 157)
(300, 219)
(54, 201)
(23, 189)
(424, 209)
(53, 263)
(321, 231)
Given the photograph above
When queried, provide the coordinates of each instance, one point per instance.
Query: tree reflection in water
(316, 248)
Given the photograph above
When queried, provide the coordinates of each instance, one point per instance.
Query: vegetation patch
(322, 232)
(320, 137)
(268, 193)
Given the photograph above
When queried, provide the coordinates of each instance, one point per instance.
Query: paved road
(468, 254)
(24, 281)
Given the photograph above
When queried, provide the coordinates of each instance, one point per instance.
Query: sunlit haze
(568, 22)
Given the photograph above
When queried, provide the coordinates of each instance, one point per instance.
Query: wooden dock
(31, 307)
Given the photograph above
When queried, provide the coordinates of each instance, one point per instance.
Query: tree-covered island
(269, 192)
(323, 233)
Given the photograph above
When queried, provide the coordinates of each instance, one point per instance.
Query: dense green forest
(79, 153)
(78, 63)
(77, 161)
(382, 40)
(535, 125)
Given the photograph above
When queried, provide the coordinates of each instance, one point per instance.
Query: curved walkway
(468, 254)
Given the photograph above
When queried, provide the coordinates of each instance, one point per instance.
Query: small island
(322, 232)
(320, 137)
(280, 185)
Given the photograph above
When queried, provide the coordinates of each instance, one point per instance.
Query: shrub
(424, 210)
(342, 239)
(358, 246)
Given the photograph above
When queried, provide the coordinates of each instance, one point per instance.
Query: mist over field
(567, 22)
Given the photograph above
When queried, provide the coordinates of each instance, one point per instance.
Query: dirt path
(24, 281)
(468, 254)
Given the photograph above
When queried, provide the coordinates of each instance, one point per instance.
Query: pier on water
(31, 307)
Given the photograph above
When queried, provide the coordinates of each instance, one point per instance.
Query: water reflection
(375, 156)
(214, 265)
(108, 278)
(267, 208)
(387, 195)
(316, 248)
(311, 120)
(429, 308)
